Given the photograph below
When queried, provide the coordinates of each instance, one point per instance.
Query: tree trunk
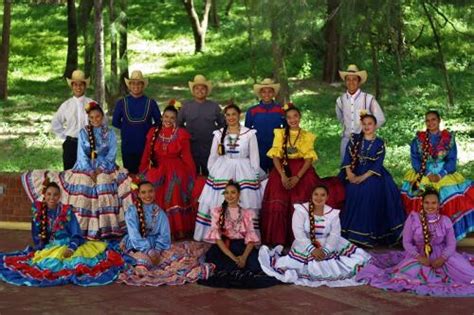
(5, 49)
(199, 27)
(375, 65)
(279, 67)
(113, 43)
(228, 7)
(333, 39)
(253, 58)
(99, 53)
(441, 57)
(85, 10)
(215, 22)
(123, 55)
(72, 55)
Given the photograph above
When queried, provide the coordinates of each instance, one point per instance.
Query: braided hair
(43, 211)
(286, 139)
(424, 222)
(220, 146)
(225, 204)
(140, 210)
(156, 132)
(312, 223)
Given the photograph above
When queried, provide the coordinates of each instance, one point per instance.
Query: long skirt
(456, 199)
(99, 206)
(174, 184)
(277, 205)
(92, 264)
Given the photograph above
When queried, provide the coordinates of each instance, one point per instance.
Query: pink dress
(401, 271)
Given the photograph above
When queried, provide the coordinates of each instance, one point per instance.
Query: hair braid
(224, 207)
(426, 232)
(141, 216)
(286, 138)
(90, 133)
(354, 150)
(425, 146)
(221, 146)
(156, 132)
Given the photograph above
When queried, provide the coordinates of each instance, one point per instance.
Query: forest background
(418, 53)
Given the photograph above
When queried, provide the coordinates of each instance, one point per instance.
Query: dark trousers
(69, 152)
(131, 161)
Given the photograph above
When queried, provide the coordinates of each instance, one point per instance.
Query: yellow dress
(304, 145)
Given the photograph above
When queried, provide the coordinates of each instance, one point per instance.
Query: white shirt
(348, 108)
(71, 117)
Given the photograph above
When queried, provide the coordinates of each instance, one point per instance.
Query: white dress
(338, 269)
(241, 163)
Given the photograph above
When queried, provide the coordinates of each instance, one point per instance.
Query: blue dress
(373, 211)
(98, 203)
(264, 118)
(91, 264)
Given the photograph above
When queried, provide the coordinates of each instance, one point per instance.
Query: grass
(165, 53)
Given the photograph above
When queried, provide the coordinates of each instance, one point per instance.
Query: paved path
(195, 299)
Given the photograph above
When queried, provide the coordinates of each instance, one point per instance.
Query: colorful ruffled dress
(373, 213)
(456, 192)
(277, 205)
(178, 263)
(99, 205)
(240, 163)
(238, 231)
(338, 269)
(91, 264)
(401, 271)
(172, 174)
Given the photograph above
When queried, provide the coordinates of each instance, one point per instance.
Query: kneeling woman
(151, 259)
(319, 255)
(430, 264)
(433, 157)
(233, 253)
(61, 254)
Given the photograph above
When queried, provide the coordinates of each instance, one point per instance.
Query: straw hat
(199, 79)
(266, 83)
(78, 76)
(354, 70)
(136, 75)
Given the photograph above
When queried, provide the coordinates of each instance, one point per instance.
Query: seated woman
(234, 155)
(233, 253)
(373, 213)
(61, 255)
(319, 255)
(168, 164)
(97, 190)
(430, 264)
(433, 158)
(291, 180)
(151, 260)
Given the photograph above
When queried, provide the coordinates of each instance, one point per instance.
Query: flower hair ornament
(288, 105)
(177, 104)
(363, 113)
(91, 106)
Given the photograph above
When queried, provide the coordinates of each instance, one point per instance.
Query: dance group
(249, 196)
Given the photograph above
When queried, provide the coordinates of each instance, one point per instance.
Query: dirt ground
(196, 299)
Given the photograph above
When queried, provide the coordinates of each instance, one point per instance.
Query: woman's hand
(68, 253)
(423, 260)
(350, 175)
(318, 254)
(242, 261)
(285, 181)
(293, 181)
(438, 262)
(434, 178)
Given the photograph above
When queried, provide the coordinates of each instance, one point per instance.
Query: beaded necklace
(165, 141)
(234, 224)
(292, 148)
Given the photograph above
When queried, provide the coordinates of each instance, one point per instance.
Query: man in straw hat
(201, 117)
(134, 115)
(353, 102)
(264, 117)
(71, 117)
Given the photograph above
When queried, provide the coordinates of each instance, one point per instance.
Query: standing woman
(373, 213)
(95, 187)
(291, 180)
(168, 164)
(234, 155)
(433, 158)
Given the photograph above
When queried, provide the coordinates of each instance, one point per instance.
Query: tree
(113, 42)
(99, 52)
(199, 27)
(123, 56)
(85, 10)
(215, 21)
(72, 55)
(332, 37)
(5, 49)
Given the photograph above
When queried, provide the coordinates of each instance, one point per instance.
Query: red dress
(173, 176)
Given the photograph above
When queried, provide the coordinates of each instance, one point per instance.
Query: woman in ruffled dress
(95, 187)
(433, 158)
(61, 255)
(168, 164)
(234, 155)
(319, 255)
(429, 265)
